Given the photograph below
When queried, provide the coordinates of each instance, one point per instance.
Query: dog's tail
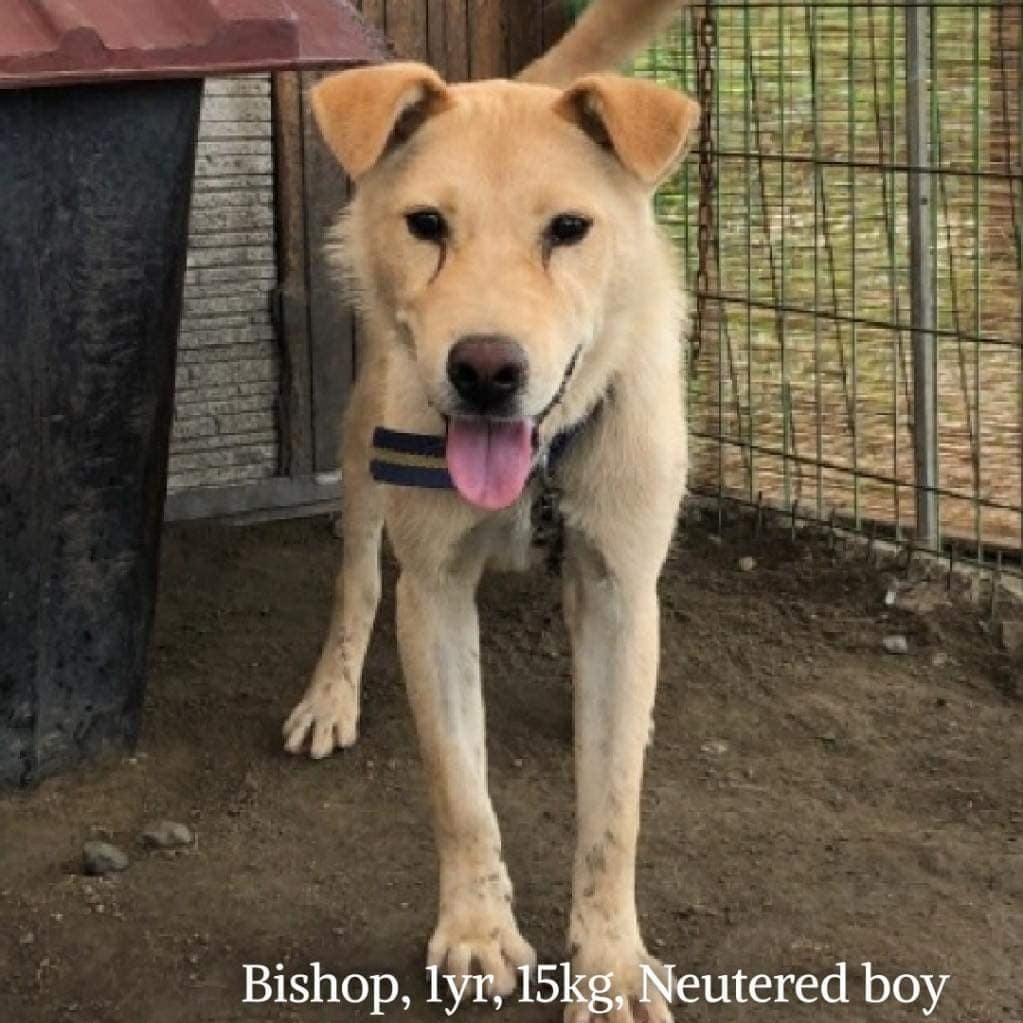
(607, 35)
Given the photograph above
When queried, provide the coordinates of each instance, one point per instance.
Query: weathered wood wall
(225, 429)
(467, 39)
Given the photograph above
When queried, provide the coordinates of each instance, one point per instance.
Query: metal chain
(706, 38)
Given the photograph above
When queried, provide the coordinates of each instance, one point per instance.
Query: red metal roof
(56, 42)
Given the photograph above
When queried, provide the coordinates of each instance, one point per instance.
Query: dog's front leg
(438, 633)
(612, 614)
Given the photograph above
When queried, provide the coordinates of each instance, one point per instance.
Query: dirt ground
(810, 798)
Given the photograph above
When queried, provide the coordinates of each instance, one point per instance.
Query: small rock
(99, 858)
(714, 747)
(890, 596)
(27, 938)
(167, 835)
(747, 564)
(517, 762)
(896, 644)
(939, 659)
(1011, 637)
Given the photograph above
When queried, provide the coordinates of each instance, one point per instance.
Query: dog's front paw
(327, 716)
(635, 996)
(480, 941)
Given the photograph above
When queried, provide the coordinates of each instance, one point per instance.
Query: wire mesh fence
(851, 226)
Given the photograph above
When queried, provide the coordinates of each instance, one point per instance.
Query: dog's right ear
(364, 113)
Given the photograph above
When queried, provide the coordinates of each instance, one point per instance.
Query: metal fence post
(921, 270)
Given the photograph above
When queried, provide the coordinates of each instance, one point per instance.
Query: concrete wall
(225, 420)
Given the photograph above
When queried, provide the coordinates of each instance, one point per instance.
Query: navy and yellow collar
(418, 459)
(409, 460)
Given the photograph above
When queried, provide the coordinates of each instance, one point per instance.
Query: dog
(523, 321)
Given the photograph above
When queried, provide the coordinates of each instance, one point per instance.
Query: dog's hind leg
(327, 717)
(438, 634)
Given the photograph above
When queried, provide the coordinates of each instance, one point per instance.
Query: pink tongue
(489, 462)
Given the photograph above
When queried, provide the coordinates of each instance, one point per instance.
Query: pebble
(99, 858)
(714, 747)
(747, 564)
(896, 644)
(27, 938)
(167, 835)
(939, 659)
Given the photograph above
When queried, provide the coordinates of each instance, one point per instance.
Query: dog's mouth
(490, 460)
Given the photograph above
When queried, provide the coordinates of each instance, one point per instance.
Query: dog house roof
(57, 42)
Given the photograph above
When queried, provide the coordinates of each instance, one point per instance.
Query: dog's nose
(487, 371)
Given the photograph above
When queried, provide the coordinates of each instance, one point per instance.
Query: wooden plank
(269, 498)
(292, 295)
(436, 16)
(331, 323)
(488, 54)
(407, 28)
(375, 12)
(524, 20)
(456, 40)
(555, 18)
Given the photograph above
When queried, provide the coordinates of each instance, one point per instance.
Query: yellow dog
(523, 319)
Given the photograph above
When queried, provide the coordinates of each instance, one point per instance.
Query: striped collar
(418, 459)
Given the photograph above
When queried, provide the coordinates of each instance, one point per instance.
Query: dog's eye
(427, 225)
(567, 229)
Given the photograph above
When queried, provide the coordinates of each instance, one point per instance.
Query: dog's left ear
(646, 126)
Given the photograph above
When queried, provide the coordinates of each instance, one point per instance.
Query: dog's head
(497, 227)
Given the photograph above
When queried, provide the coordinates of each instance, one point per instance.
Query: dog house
(99, 116)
